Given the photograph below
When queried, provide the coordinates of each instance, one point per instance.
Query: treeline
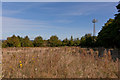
(54, 41)
(108, 37)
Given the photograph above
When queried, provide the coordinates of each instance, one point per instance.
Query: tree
(116, 24)
(77, 42)
(118, 7)
(82, 41)
(21, 41)
(12, 42)
(71, 42)
(38, 41)
(87, 41)
(105, 35)
(109, 36)
(54, 41)
(27, 42)
(4, 44)
(65, 42)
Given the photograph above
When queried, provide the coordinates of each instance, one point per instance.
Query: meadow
(58, 62)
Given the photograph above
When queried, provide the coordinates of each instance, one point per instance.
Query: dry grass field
(57, 62)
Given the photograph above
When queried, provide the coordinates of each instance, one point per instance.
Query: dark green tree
(38, 41)
(116, 24)
(77, 42)
(109, 36)
(21, 41)
(71, 42)
(118, 7)
(54, 41)
(65, 42)
(105, 35)
(87, 41)
(82, 41)
(12, 42)
(27, 42)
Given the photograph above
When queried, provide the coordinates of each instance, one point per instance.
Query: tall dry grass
(57, 62)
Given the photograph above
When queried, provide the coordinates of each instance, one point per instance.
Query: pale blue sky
(54, 18)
